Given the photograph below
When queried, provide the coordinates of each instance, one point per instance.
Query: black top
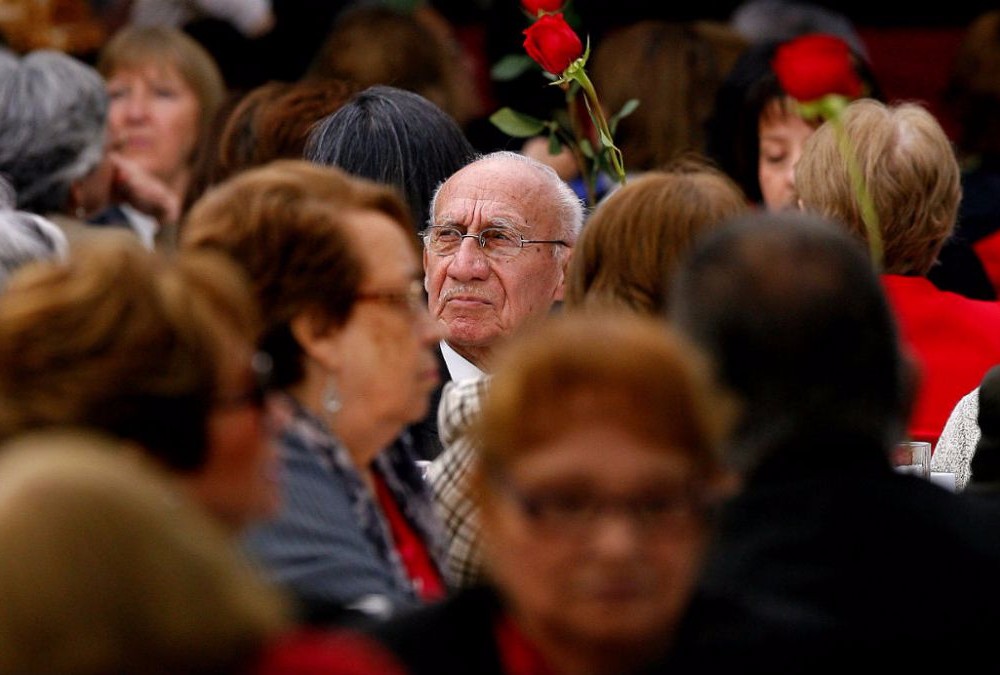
(453, 637)
(828, 555)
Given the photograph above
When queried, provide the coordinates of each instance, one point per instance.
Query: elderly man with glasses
(496, 251)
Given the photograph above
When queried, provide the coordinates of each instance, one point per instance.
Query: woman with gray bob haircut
(53, 112)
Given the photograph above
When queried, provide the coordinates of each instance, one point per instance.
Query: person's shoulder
(452, 636)
(913, 295)
(455, 614)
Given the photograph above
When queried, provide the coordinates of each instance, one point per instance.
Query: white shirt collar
(459, 367)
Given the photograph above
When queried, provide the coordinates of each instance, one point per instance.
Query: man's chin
(470, 331)
(471, 339)
(461, 341)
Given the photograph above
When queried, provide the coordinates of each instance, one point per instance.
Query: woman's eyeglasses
(412, 299)
(574, 512)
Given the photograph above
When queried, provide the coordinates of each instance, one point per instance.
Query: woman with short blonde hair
(912, 177)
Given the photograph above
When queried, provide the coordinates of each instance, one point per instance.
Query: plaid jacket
(448, 478)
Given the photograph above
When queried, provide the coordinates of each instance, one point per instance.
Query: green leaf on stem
(586, 148)
(810, 110)
(574, 69)
(606, 140)
(516, 124)
(510, 67)
(627, 109)
(562, 119)
(555, 145)
(832, 105)
(825, 108)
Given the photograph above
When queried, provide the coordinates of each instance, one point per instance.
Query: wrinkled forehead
(498, 193)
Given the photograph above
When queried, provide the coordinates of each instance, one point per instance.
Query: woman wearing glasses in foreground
(336, 271)
(596, 475)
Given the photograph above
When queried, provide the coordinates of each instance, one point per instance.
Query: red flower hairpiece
(812, 66)
(537, 7)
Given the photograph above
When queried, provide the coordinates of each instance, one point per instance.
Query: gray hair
(7, 57)
(567, 205)
(25, 237)
(53, 114)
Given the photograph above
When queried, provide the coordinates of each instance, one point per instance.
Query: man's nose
(469, 261)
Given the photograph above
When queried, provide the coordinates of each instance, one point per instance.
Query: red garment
(335, 652)
(411, 549)
(988, 250)
(955, 340)
(518, 655)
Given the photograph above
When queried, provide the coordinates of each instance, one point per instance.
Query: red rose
(552, 43)
(812, 66)
(536, 7)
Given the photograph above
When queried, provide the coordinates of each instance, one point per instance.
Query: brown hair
(139, 46)
(379, 45)
(119, 339)
(973, 89)
(285, 224)
(674, 70)
(273, 121)
(632, 242)
(619, 368)
(108, 570)
(911, 172)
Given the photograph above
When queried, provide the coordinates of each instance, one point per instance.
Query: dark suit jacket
(818, 563)
(453, 637)
(426, 440)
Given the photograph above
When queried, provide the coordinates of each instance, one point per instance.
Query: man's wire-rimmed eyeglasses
(495, 241)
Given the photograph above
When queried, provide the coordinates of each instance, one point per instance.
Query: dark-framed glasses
(411, 299)
(575, 512)
(496, 241)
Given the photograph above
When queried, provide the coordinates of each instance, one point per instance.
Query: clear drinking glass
(913, 457)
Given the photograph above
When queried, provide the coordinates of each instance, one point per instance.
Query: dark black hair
(732, 133)
(793, 312)
(394, 137)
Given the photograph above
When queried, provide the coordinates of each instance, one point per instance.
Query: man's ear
(319, 338)
(560, 293)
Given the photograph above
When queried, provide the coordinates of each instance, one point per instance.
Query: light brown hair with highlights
(910, 169)
(631, 244)
(285, 224)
